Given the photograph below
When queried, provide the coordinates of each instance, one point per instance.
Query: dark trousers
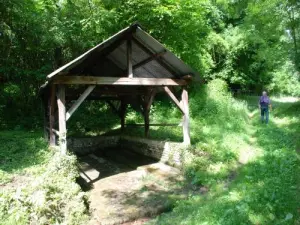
(264, 112)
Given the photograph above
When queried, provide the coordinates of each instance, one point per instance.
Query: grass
(249, 170)
(21, 153)
(37, 184)
(259, 182)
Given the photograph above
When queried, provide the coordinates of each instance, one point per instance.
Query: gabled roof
(109, 59)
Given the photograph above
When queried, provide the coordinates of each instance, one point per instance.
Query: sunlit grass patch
(285, 99)
(262, 190)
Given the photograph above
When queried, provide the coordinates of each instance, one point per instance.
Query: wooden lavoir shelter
(130, 67)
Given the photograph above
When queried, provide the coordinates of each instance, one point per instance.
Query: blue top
(264, 101)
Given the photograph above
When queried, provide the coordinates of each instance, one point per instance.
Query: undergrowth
(250, 169)
(37, 184)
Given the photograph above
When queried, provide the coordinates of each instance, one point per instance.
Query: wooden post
(146, 119)
(129, 58)
(46, 118)
(148, 102)
(52, 137)
(123, 114)
(61, 103)
(186, 119)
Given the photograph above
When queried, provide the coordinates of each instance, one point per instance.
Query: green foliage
(217, 120)
(286, 80)
(249, 169)
(246, 43)
(42, 187)
(20, 153)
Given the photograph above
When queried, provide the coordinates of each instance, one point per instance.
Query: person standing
(265, 105)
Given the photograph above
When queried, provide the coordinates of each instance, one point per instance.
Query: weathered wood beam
(129, 58)
(52, 137)
(112, 98)
(186, 118)
(145, 61)
(135, 81)
(159, 60)
(61, 103)
(155, 124)
(150, 98)
(79, 101)
(112, 91)
(114, 109)
(148, 102)
(123, 108)
(46, 121)
(174, 99)
(53, 130)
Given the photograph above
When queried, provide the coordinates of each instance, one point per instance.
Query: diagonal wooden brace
(174, 99)
(76, 104)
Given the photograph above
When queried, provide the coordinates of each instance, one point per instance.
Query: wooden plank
(174, 99)
(123, 114)
(52, 137)
(79, 101)
(129, 59)
(147, 107)
(152, 57)
(186, 119)
(155, 125)
(61, 103)
(135, 81)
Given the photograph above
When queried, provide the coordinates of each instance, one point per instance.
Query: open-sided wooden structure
(130, 67)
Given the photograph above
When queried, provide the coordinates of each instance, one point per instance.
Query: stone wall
(172, 153)
(86, 145)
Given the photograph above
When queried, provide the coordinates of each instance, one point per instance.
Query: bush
(53, 197)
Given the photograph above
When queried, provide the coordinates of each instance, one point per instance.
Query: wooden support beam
(174, 99)
(159, 60)
(148, 102)
(46, 119)
(107, 91)
(145, 61)
(54, 131)
(79, 101)
(155, 125)
(114, 109)
(123, 114)
(150, 99)
(147, 121)
(129, 58)
(52, 137)
(186, 119)
(135, 81)
(61, 103)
